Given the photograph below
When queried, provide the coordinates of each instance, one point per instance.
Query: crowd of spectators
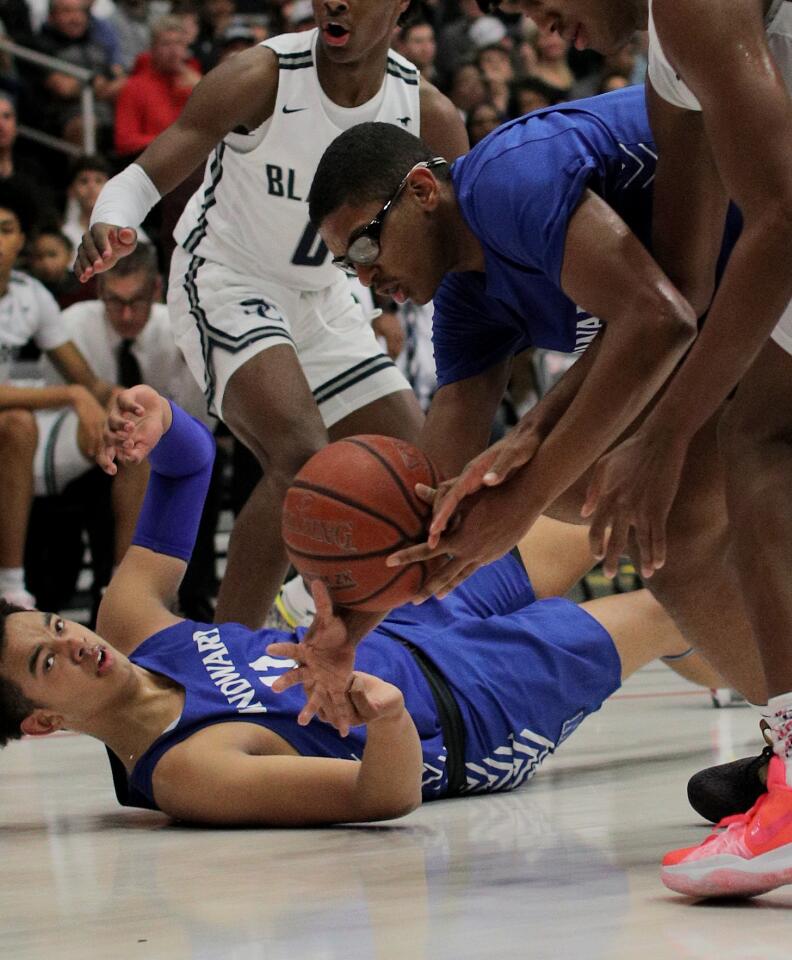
(145, 57)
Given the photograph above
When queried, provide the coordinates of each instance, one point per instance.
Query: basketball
(349, 508)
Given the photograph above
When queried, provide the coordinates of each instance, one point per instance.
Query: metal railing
(86, 99)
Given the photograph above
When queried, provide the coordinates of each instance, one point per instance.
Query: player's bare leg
(756, 440)
(269, 406)
(18, 437)
(394, 415)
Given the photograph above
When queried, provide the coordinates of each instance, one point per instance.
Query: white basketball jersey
(670, 85)
(251, 213)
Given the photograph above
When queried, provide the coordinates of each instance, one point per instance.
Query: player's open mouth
(103, 661)
(335, 34)
(394, 291)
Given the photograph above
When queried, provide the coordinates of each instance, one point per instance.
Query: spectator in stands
(126, 336)
(454, 44)
(468, 88)
(28, 174)
(214, 18)
(236, 39)
(530, 94)
(15, 17)
(416, 42)
(552, 65)
(496, 68)
(299, 16)
(154, 96)
(612, 81)
(481, 120)
(51, 255)
(130, 21)
(88, 176)
(68, 35)
(28, 310)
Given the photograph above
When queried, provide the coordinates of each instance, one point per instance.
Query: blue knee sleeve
(181, 468)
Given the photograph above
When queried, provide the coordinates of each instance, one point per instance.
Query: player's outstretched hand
(632, 490)
(490, 468)
(325, 657)
(485, 528)
(137, 419)
(101, 247)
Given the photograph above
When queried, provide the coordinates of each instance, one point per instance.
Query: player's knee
(18, 433)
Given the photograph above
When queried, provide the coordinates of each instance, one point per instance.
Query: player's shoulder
(30, 291)
(400, 67)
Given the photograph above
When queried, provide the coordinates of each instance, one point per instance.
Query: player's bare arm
(648, 328)
(239, 93)
(747, 116)
(220, 775)
(441, 124)
(138, 599)
(498, 462)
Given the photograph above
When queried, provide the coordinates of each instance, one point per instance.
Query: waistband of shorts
(451, 722)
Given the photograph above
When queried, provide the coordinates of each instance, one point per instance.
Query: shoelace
(735, 820)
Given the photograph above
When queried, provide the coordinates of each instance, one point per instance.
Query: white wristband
(126, 199)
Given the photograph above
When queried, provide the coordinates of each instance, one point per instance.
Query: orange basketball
(349, 508)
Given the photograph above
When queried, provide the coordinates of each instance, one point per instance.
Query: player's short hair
(14, 705)
(143, 259)
(16, 197)
(169, 23)
(365, 163)
(52, 229)
(90, 162)
(487, 6)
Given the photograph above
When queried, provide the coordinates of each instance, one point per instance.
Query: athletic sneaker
(279, 617)
(729, 788)
(20, 598)
(747, 854)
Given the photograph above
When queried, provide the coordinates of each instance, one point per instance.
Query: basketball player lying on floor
(463, 695)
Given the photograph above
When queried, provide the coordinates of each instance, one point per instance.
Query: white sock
(781, 729)
(298, 601)
(12, 579)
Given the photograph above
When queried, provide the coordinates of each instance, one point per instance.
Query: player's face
(50, 258)
(63, 666)
(411, 260)
(127, 302)
(350, 29)
(603, 25)
(8, 124)
(87, 186)
(11, 240)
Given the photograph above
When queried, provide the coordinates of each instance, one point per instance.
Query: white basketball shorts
(221, 318)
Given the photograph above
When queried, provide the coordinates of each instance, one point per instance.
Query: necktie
(129, 374)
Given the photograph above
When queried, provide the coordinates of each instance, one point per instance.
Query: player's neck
(144, 710)
(352, 84)
(5, 277)
(467, 254)
(6, 162)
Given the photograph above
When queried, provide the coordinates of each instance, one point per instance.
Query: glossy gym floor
(566, 867)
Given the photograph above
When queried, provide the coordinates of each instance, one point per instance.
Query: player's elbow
(392, 807)
(670, 320)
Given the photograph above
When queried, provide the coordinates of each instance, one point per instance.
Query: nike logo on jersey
(295, 110)
(404, 121)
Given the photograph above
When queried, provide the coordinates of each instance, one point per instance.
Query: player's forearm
(181, 468)
(36, 398)
(459, 422)
(389, 781)
(546, 414)
(632, 364)
(754, 291)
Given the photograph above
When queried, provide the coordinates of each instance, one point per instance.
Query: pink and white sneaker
(747, 854)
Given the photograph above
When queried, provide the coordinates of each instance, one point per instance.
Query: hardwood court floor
(566, 867)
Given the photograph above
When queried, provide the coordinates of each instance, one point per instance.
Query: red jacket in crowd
(149, 102)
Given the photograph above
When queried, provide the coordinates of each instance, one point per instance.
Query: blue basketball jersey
(523, 675)
(517, 190)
